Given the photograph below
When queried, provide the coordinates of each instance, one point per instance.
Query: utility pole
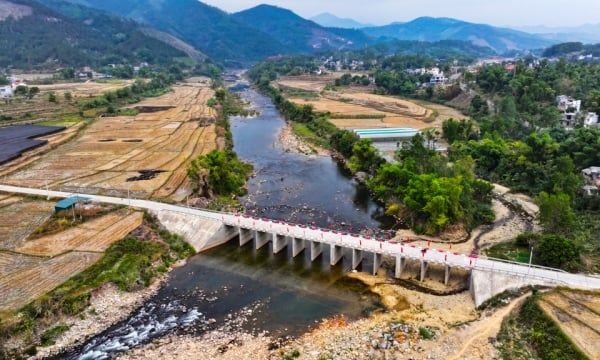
(530, 258)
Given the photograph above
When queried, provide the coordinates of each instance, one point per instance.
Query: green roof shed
(69, 203)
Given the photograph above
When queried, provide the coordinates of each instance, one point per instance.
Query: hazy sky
(494, 12)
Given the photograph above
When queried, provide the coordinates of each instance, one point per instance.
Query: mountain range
(33, 35)
(330, 20)
(248, 36)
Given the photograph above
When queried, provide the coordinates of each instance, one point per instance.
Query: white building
(6, 92)
(438, 79)
(591, 120)
(569, 109)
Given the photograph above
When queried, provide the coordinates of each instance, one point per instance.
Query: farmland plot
(21, 287)
(94, 235)
(19, 219)
(112, 155)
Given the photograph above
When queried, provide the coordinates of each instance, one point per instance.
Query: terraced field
(96, 235)
(144, 155)
(20, 287)
(358, 107)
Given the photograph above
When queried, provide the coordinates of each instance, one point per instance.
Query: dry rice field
(95, 236)
(30, 268)
(356, 107)
(578, 315)
(21, 287)
(110, 155)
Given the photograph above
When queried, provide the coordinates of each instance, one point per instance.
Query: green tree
(52, 97)
(555, 214)
(33, 91)
(364, 157)
(557, 251)
(226, 173)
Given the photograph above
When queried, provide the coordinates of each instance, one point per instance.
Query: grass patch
(306, 133)
(291, 92)
(49, 337)
(510, 251)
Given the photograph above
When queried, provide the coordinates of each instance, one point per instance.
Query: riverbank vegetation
(422, 187)
(219, 175)
(131, 263)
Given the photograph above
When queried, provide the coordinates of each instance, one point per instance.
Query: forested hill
(34, 36)
(207, 28)
(436, 29)
(298, 33)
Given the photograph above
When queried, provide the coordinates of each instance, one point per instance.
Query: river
(232, 288)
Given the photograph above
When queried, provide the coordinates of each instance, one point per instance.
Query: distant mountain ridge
(207, 28)
(330, 20)
(436, 29)
(39, 37)
(298, 33)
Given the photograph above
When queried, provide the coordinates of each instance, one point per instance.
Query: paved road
(353, 241)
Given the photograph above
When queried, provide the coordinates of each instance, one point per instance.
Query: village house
(6, 92)
(569, 108)
(592, 176)
(591, 121)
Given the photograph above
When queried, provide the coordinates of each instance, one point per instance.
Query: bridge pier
(335, 254)
(297, 246)
(260, 239)
(400, 265)
(279, 243)
(357, 256)
(424, 267)
(316, 248)
(376, 262)
(447, 275)
(245, 236)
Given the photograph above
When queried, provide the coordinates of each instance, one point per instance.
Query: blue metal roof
(386, 133)
(69, 202)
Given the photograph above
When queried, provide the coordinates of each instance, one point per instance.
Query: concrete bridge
(488, 276)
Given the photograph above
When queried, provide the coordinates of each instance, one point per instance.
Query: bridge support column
(376, 262)
(424, 267)
(447, 275)
(245, 236)
(316, 248)
(357, 256)
(297, 246)
(400, 265)
(279, 243)
(335, 254)
(260, 239)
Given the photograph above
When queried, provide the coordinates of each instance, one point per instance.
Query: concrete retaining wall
(200, 232)
(485, 285)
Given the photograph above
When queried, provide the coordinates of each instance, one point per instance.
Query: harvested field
(114, 149)
(19, 219)
(356, 107)
(308, 83)
(104, 239)
(578, 315)
(11, 262)
(85, 89)
(21, 287)
(86, 233)
(379, 119)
